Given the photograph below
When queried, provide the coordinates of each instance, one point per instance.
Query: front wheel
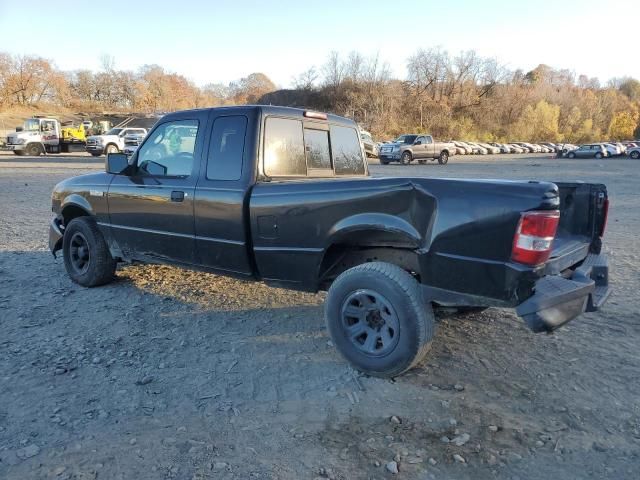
(111, 148)
(33, 150)
(378, 319)
(443, 159)
(86, 256)
(598, 155)
(406, 158)
(635, 154)
(571, 155)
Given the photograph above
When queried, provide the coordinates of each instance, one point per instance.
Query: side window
(347, 155)
(428, 140)
(226, 148)
(169, 150)
(420, 141)
(316, 143)
(284, 148)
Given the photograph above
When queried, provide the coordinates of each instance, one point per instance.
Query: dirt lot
(172, 374)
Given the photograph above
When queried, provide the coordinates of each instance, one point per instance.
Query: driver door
(152, 211)
(419, 147)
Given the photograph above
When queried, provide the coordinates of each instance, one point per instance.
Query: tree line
(464, 96)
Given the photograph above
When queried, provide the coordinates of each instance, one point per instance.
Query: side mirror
(116, 163)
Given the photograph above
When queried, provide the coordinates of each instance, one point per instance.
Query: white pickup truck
(112, 141)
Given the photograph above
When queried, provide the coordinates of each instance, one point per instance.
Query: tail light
(534, 237)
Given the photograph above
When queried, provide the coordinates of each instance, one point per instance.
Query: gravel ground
(172, 374)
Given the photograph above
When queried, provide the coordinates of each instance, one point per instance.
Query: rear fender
(374, 229)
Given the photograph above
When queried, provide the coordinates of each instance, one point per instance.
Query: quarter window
(169, 151)
(347, 154)
(284, 148)
(226, 148)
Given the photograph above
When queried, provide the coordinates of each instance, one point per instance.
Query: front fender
(78, 201)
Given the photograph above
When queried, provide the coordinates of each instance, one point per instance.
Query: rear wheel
(378, 319)
(443, 159)
(33, 149)
(406, 158)
(571, 155)
(422, 161)
(18, 152)
(86, 255)
(598, 155)
(635, 154)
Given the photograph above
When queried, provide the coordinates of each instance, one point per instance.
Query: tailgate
(583, 216)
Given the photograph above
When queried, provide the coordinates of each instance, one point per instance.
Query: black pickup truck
(283, 196)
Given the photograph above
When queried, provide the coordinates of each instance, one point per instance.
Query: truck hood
(16, 135)
(105, 138)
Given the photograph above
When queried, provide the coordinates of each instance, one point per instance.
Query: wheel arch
(367, 238)
(75, 206)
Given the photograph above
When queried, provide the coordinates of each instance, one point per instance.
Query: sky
(220, 41)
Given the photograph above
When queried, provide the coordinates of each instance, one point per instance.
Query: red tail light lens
(534, 237)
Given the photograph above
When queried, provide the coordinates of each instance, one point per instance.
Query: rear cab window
(293, 148)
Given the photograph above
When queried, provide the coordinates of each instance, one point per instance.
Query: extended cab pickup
(283, 196)
(407, 148)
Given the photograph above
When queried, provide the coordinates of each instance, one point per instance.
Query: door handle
(177, 196)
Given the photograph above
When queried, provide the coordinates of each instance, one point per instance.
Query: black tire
(33, 150)
(571, 155)
(635, 154)
(19, 153)
(443, 159)
(372, 290)
(406, 158)
(422, 161)
(384, 162)
(598, 155)
(95, 154)
(86, 255)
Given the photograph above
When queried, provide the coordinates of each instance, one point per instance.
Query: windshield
(406, 138)
(31, 125)
(114, 131)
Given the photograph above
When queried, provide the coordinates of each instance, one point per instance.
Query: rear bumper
(557, 300)
(55, 235)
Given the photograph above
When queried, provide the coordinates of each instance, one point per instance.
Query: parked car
(370, 147)
(592, 150)
(634, 152)
(612, 149)
(551, 146)
(502, 147)
(408, 148)
(490, 148)
(567, 147)
(464, 147)
(110, 142)
(283, 196)
(478, 149)
(526, 147)
(543, 148)
(516, 148)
